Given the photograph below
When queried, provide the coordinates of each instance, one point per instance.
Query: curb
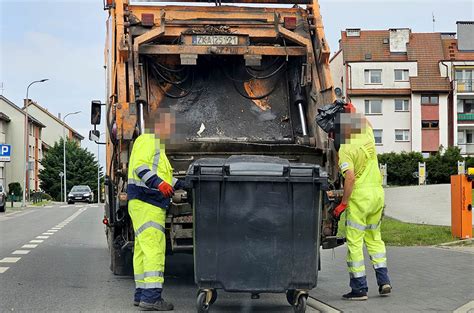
(456, 243)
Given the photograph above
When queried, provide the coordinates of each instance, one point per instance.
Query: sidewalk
(423, 279)
(429, 204)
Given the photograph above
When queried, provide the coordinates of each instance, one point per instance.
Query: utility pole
(26, 179)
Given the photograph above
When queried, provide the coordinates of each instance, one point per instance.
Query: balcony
(466, 148)
(465, 116)
(465, 85)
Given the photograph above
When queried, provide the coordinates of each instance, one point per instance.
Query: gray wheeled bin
(256, 227)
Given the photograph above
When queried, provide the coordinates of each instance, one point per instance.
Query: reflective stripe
(377, 256)
(357, 274)
(355, 225)
(149, 285)
(138, 183)
(156, 160)
(175, 180)
(139, 276)
(380, 265)
(148, 225)
(147, 176)
(355, 264)
(153, 274)
(142, 168)
(373, 226)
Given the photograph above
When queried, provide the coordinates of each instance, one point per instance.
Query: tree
(15, 188)
(81, 169)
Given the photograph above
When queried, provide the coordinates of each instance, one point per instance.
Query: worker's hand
(165, 189)
(180, 184)
(339, 209)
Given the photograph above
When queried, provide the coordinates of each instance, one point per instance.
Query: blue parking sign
(5, 153)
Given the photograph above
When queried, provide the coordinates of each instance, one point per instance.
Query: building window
(430, 124)
(402, 105)
(430, 99)
(402, 135)
(401, 75)
(30, 129)
(373, 76)
(39, 132)
(378, 134)
(373, 107)
(465, 105)
(466, 137)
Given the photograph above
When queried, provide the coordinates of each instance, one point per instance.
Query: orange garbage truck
(242, 78)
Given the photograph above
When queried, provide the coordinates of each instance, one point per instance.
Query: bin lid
(256, 165)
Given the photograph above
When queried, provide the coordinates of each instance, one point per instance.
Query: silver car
(3, 198)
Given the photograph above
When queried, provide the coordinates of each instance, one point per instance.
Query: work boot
(160, 305)
(356, 296)
(385, 290)
(136, 303)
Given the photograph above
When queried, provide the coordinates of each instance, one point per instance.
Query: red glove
(165, 189)
(339, 209)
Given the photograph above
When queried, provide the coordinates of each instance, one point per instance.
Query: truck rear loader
(242, 79)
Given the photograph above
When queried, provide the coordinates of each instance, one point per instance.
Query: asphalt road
(54, 259)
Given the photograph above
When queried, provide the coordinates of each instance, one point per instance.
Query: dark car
(3, 198)
(80, 193)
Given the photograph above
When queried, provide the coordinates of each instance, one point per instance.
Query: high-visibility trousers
(150, 244)
(363, 219)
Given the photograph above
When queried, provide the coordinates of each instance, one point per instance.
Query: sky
(64, 42)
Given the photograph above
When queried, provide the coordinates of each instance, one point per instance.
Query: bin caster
(205, 299)
(300, 303)
(290, 296)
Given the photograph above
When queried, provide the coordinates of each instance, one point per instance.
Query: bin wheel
(214, 297)
(201, 305)
(300, 306)
(290, 296)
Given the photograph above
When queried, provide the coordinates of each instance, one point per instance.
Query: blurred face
(349, 125)
(165, 125)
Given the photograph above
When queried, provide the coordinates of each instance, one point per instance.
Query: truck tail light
(108, 4)
(289, 23)
(105, 221)
(148, 19)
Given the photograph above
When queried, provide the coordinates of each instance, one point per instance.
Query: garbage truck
(243, 77)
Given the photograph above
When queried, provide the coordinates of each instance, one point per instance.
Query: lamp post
(61, 174)
(27, 150)
(64, 152)
(98, 170)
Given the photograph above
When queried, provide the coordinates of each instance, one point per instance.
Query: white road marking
(3, 269)
(42, 237)
(9, 260)
(21, 252)
(47, 234)
(52, 230)
(56, 228)
(36, 241)
(29, 246)
(64, 206)
(468, 307)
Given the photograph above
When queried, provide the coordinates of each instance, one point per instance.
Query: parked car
(80, 193)
(3, 198)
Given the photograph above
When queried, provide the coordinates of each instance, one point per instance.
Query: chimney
(465, 36)
(399, 38)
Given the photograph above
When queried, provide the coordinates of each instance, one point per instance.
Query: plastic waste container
(256, 227)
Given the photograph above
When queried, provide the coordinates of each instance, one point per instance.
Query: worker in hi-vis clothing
(363, 198)
(150, 187)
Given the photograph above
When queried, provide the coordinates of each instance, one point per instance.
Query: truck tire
(121, 262)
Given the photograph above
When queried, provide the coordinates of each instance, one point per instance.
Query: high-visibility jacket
(147, 168)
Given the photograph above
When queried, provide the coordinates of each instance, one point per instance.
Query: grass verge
(41, 203)
(396, 233)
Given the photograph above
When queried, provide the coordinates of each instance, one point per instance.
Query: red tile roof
(379, 92)
(452, 53)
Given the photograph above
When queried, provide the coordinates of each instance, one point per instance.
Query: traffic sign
(5, 153)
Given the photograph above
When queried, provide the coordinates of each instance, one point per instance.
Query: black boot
(356, 296)
(385, 290)
(160, 305)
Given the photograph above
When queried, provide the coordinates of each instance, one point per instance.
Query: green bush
(439, 167)
(46, 197)
(16, 189)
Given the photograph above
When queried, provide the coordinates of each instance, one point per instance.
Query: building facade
(394, 78)
(12, 132)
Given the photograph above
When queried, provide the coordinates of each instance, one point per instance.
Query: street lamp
(61, 174)
(27, 153)
(64, 151)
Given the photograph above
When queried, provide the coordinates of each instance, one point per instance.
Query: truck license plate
(215, 40)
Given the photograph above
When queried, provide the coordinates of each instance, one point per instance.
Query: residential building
(393, 77)
(458, 65)
(55, 127)
(12, 132)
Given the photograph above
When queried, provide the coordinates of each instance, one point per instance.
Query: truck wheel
(121, 263)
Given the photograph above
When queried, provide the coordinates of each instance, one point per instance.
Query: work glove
(180, 184)
(338, 210)
(165, 189)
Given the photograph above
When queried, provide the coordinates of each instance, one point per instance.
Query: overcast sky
(64, 41)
